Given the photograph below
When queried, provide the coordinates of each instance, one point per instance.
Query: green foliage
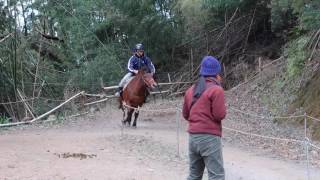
(88, 77)
(4, 119)
(279, 84)
(219, 5)
(152, 23)
(296, 55)
(310, 19)
(286, 14)
(202, 16)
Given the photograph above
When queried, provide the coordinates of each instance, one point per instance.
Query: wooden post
(101, 82)
(169, 78)
(191, 63)
(224, 71)
(260, 64)
(260, 67)
(207, 43)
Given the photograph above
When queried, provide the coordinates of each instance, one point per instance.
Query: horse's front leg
(123, 115)
(136, 114)
(129, 116)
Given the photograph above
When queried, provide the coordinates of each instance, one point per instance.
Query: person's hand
(135, 71)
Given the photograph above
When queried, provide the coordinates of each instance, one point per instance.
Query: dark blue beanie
(210, 66)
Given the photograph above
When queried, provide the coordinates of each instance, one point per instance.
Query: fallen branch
(169, 83)
(5, 37)
(158, 92)
(54, 109)
(110, 87)
(95, 95)
(102, 100)
(50, 37)
(255, 75)
(177, 93)
(71, 116)
(272, 62)
(76, 115)
(173, 83)
(25, 103)
(95, 102)
(43, 115)
(14, 124)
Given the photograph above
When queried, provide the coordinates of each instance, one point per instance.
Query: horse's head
(147, 79)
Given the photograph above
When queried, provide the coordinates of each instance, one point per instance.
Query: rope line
(314, 146)
(30, 99)
(313, 118)
(265, 117)
(265, 137)
(235, 130)
(15, 102)
(148, 110)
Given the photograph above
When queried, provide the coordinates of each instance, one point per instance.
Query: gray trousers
(205, 150)
(125, 79)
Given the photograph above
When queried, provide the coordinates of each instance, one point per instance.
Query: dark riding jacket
(137, 63)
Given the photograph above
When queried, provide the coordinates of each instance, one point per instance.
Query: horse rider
(136, 62)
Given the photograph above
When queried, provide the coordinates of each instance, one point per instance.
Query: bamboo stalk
(3, 39)
(36, 74)
(25, 103)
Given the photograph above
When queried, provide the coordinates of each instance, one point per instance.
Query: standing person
(135, 63)
(204, 109)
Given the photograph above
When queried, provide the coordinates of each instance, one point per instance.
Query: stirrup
(119, 92)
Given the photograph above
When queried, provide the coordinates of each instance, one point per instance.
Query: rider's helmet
(139, 47)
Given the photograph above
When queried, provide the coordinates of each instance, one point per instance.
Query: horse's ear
(144, 68)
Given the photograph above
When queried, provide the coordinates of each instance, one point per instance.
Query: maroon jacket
(209, 110)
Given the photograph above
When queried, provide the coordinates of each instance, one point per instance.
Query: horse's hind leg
(136, 114)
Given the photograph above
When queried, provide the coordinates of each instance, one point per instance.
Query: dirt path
(95, 147)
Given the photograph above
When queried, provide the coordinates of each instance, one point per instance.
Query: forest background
(51, 49)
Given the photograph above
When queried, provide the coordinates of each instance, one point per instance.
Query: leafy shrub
(296, 55)
(289, 13)
(4, 119)
(310, 19)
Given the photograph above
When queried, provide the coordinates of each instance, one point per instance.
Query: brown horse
(134, 95)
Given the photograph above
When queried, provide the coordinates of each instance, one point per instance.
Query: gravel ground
(95, 146)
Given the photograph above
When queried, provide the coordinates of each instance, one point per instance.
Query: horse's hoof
(134, 126)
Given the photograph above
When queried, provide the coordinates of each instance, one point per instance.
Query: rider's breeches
(125, 79)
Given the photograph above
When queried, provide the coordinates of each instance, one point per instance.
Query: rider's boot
(119, 92)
